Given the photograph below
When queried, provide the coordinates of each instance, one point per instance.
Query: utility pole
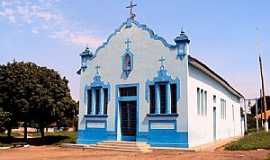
(256, 110)
(261, 102)
(245, 116)
(264, 99)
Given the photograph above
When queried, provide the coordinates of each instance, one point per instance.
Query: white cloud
(42, 17)
(77, 38)
(9, 14)
(35, 31)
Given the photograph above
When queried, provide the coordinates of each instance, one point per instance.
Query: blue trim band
(93, 136)
(162, 115)
(96, 116)
(164, 138)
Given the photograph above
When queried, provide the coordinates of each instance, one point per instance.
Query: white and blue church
(138, 87)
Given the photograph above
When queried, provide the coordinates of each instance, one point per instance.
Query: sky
(226, 35)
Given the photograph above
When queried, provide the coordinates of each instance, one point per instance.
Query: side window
(198, 101)
(214, 98)
(201, 102)
(223, 108)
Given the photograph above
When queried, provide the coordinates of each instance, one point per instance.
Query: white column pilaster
(101, 102)
(157, 99)
(168, 99)
(93, 105)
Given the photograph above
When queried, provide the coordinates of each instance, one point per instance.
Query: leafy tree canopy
(33, 93)
(260, 105)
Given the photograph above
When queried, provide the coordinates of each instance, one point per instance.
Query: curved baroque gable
(128, 24)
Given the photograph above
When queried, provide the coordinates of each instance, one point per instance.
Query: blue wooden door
(128, 120)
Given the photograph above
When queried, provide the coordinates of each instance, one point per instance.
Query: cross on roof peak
(131, 6)
(97, 68)
(127, 42)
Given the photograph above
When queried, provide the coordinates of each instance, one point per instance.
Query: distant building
(138, 87)
(261, 115)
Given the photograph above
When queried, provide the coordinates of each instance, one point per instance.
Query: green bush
(260, 140)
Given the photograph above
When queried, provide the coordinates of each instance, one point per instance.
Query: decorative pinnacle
(182, 29)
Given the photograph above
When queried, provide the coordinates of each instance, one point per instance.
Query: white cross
(97, 68)
(127, 42)
(131, 6)
(161, 60)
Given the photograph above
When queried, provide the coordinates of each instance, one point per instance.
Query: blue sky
(223, 33)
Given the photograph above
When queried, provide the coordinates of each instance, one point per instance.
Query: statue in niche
(127, 63)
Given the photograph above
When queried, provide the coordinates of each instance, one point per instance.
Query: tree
(260, 105)
(34, 94)
(5, 118)
(8, 97)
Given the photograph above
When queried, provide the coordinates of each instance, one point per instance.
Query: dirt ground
(57, 153)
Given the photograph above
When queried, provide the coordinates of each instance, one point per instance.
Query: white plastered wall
(201, 127)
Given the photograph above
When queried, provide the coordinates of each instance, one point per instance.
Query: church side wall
(201, 128)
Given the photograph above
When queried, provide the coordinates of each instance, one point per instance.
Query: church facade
(138, 87)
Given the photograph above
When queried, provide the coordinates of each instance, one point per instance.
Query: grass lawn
(268, 158)
(63, 137)
(260, 140)
(56, 138)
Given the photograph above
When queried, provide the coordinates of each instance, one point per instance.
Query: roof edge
(204, 68)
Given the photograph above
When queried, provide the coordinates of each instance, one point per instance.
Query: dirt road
(57, 153)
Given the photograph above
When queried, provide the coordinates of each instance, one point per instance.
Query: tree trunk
(9, 131)
(42, 132)
(41, 128)
(25, 132)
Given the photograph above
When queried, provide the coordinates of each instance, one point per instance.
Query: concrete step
(129, 142)
(141, 147)
(119, 149)
(123, 146)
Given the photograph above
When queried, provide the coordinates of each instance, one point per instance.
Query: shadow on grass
(38, 141)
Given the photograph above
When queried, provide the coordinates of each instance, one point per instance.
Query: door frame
(214, 123)
(117, 108)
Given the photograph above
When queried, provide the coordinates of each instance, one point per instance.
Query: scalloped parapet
(129, 24)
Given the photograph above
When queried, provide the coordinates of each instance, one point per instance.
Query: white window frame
(223, 108)
(201, 102)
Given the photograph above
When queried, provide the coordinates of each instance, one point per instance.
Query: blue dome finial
(87, 52)
(182, 29)
(182, 37)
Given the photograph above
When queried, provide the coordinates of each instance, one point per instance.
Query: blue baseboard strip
(156, 138)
